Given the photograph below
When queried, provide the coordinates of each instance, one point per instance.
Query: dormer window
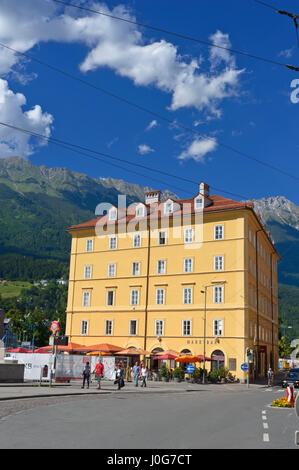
(199, 203)
(140, 211)
(113, 214)
(168, 207)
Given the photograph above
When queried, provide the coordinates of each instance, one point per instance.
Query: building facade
(188, 275)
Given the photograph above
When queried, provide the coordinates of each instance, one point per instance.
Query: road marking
(264, 412)
(266, 426)
(266, 437)
(264, 417)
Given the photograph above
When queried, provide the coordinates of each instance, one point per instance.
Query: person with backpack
(99, 371)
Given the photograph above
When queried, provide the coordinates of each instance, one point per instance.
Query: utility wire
(182, 36)
(74, 147)
(149, 111)
(282, 12)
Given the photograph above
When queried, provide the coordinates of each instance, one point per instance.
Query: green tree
(284, 348)
(18, 323)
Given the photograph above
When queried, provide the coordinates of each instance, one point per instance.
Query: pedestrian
(99, 371)
(170, 374)
(86, 375)
(144, 374)
(120, 377)
(270, 377)
(128, 373)
(136, 372)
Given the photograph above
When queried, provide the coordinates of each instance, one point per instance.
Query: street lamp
(204, 327)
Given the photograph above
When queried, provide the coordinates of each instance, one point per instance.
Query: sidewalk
(33, 390)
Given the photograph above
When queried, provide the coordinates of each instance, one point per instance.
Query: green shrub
(164, 371)
(177, 373)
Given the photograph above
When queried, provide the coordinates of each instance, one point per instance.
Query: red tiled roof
(217, 203)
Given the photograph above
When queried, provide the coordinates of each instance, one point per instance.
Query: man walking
(144, 374)
(270, 377)
(136, 372)
(99, 371)
(86, 375)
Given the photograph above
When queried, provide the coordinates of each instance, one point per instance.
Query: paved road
(207, 418)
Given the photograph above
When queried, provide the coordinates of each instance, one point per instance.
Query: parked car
(291, 377)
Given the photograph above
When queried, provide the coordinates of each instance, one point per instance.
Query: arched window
(218, 359)
(186, 351)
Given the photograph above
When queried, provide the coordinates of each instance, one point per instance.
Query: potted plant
(164, 373)
(195, 376)
(177, 374)
(214, 376)
(223, 373)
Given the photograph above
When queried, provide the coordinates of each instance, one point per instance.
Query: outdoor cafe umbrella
(165, 357)
(189, 358)
(104, 347)
(19, 350)
(97, 353)
(71, 347)
(132, 352)
(169, 351)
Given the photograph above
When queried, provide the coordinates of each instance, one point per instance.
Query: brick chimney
(204, 189)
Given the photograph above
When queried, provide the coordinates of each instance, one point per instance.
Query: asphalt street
(202, 419)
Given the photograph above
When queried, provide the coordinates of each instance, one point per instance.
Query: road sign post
(244, 367)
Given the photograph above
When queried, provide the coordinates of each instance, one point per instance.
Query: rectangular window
(217, 327)
(198, 203)
(186, 328)
(250, 329)
(187, 295)
(162, 238)
(84, 327)
(160, 296)
(113, 214)
(112, 243)
(218, 263)
(89, 245)
(188, 265)
(134, 297)
(108, 327)
(112, 270)
(87, 272)
(133, 328)
(161, 266)
(110, 298)
(159, 327)
(168, 208)
(140, 211)
(136, 269)
(232, 363)
(218, 294)
(218, 232)
(86, 299)
(250, 265)
(137, 240)
(188, 235)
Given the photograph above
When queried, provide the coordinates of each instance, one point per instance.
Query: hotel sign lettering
(199, 341)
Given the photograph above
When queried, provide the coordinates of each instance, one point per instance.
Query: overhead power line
(151, 112)
(179, 35)
(78, 149)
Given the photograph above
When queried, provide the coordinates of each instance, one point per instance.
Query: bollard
(290, 393)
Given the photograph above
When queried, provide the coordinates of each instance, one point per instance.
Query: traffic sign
(244, 366)
(55, 326)
(190, 368)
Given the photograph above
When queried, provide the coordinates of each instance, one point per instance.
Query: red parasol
(165, 356)
(19, 350)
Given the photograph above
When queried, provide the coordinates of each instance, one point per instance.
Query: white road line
(264, 417)
(266, 437)
(266, 426)
(263, 412)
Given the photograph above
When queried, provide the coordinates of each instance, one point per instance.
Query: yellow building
(188, 275)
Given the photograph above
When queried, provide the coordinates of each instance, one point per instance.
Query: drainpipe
(147, 284)
(257, 303)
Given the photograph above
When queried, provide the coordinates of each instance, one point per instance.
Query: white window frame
(107, 296)
(140, 211)
(216, 232)
(188, 262)
(159, 297)
(165, 237)
(161, 262)
(187, 295)
(159, 327)
(187, 232)
(109, 331)
(185, 328)
(218, 259)
(84, 327)
(134, 300)
(199, 203)
(89, 245)
(86, 298)
(216, 291)
(114, 237)
(111, 270)
(130, 328)
(218, 330)
(168, 207)
(137, 271)
(88, 271)
(137, 236)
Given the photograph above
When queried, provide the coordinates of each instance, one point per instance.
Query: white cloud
(151, 125)
(219, 55)
(143, 149)
(14, 143)
(198, 149)
(121, 47)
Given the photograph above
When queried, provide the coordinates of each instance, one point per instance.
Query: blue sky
(234, 100)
